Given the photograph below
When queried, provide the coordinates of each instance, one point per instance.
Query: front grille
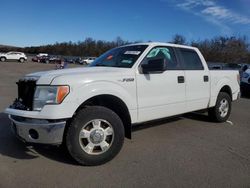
(26, 90)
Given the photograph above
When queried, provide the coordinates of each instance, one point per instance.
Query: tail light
(238, 78)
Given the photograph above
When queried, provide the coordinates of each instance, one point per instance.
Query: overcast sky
(36, 22)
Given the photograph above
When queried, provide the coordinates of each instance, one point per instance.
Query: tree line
(218, 49)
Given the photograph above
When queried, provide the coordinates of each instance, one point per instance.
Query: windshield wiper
(105, 65)
(101, 65)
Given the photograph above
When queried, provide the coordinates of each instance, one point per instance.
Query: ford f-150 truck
(92, 109)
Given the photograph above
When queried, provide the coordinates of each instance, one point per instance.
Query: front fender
(125, 91)
(127, 94)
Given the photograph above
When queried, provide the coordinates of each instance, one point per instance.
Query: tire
(21, 60)
(2, 59)
(222, 109)
(95, 136)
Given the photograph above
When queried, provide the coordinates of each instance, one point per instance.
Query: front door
(161, 94)
(11, 55)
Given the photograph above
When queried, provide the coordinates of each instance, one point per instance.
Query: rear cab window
(190, 59)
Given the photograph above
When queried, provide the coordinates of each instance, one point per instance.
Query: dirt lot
(186, 151)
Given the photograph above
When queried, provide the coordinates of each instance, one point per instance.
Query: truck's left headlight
(49, 95)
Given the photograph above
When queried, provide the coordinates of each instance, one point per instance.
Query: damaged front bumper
(38, 130)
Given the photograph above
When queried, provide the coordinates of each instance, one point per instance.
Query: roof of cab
(162, 44)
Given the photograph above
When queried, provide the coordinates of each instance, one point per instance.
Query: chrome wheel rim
(96, 136)
(223, 108)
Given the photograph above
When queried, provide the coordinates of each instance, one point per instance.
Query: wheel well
(227, 90)
(115, 104)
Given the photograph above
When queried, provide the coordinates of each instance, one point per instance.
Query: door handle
(181, 79)
(205, 78)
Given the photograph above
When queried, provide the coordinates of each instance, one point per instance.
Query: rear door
(196, 78)
(161, 94)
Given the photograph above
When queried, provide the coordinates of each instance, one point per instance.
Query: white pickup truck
(92, 109)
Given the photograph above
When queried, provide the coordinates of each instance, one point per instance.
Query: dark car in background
(40, 57)
(224, 66)
(54, 59)
(215, 66)
(232, 66)
(47, 59)
(245, 80)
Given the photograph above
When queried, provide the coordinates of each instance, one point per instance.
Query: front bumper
(37, 130)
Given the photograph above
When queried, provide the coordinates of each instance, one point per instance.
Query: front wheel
(222, 109)
(2, 59)
(95, 136)
(21, 60)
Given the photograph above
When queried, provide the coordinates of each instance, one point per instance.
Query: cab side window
(191, 60)
(166, 53)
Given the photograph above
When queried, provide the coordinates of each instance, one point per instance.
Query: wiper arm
(100, 65)
(105, 65)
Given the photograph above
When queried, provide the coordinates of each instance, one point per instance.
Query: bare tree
(178, 39)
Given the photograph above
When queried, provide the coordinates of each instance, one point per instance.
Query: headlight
(245, 75)
(49, 95)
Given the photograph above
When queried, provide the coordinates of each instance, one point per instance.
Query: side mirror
(153, 66)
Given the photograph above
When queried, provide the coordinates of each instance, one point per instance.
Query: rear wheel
(21, 60)
(2, 59)
(95, 135)
(222, 109)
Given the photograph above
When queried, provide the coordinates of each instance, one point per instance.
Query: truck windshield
(120, 57)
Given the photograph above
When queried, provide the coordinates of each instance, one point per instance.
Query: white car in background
(42, 55)
(19, 56)
(88, 60)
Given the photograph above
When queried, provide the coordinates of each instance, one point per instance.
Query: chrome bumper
(38, 131)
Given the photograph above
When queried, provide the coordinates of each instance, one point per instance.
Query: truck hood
(92, 73)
